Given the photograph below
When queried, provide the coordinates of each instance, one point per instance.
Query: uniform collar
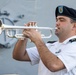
(67, 40)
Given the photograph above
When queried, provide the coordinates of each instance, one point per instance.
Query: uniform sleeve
(68, 56)
(33, 54)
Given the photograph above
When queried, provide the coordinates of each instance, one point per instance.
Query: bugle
(9, 27)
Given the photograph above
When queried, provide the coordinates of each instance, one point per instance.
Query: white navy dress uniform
(65, 51)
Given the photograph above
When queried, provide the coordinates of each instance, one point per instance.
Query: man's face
(64, 26)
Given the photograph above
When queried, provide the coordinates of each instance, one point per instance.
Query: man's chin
(56, 34)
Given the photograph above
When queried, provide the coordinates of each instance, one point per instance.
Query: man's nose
(57, 23)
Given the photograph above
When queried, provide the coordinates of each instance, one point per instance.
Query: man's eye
(61, 19)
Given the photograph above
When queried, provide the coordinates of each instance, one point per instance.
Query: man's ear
(74, 26)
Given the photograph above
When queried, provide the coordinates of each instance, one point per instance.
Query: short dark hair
(73, 21)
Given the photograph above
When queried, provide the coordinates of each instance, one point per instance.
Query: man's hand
(33, 34)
